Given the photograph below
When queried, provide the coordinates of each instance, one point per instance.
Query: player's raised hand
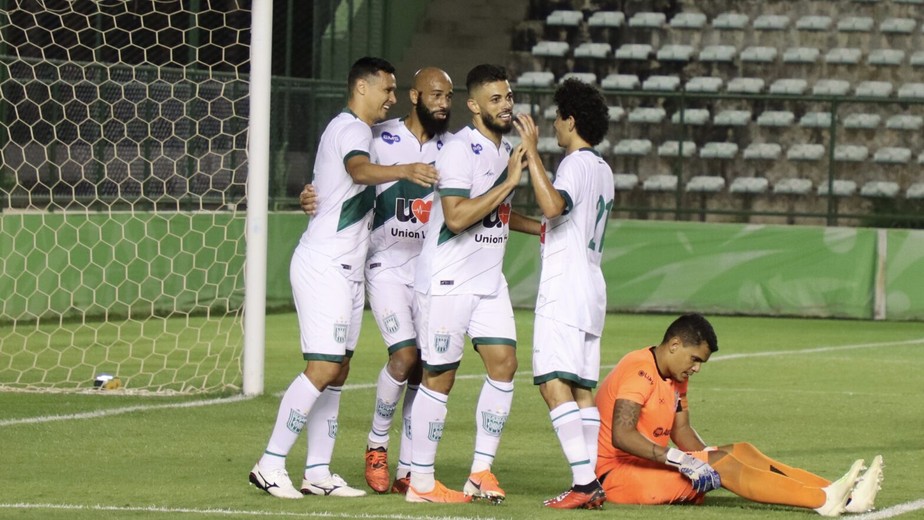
(516, 164)
(529, 132)
(308, 200)
(422, 174)
(702, 475)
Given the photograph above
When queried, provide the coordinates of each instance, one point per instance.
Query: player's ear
(473, 106)
(414, 95)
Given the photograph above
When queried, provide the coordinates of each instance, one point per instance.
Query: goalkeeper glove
(702, 475)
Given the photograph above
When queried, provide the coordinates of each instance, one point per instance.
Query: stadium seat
(862, 121)
(758, 54)
(662, 83)
(675, 53)
(880, 189)
(789, 86)
(892, 155)
(921, 158)
(887, 57)
(844, 56)
(801, 55)
(850, 153)
(647, 115)
(771, 22)
(792, 186)
(603, 147)
(688, 20)
(620, 82)
(776, 118)
(916, 2)
(732, 118)
(526, 108)
(763, 151)
(616, 114)
(634, 51)
(814, 23)
(911, 91)
(550, 49)
(898, 26)
(855, 24)
(718, 53)
(915, 191)
(536, 79)
(917, 59)
(831, 87)
(745, 85)
(564, 18)
(730, 21)
(839, 188)
(672, 149)
(704, 84)
(876, 89)
(749, 185)
(691, 116)
(718, 150)
(593, 50)
(905, 122)
(806, 152)
(705, 184)
(548, 145)
(586, 77)
(625, 181)
(606, 19)
(660, 182)
(550, 113)
(636, 147)
(816, 120)
(648, 20)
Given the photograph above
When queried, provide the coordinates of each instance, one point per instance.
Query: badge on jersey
(340, 332)
(391, 323)
(441, 342)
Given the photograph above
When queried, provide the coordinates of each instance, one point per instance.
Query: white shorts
(393, 305)
(444, 320)
(561, 351)
(329, 307)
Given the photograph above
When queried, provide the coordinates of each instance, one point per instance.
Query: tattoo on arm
(626, 414)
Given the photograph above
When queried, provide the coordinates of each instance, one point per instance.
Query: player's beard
(431, 124)
(494, 125)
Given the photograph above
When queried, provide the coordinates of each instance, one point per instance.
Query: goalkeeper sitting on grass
(643, 404)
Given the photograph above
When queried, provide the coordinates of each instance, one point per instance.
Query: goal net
(123, 133)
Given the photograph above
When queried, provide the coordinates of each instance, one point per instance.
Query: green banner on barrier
(904, 275)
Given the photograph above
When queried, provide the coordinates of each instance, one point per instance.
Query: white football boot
(838, 492)
(863, 496)
(332, 486)
(275, 482)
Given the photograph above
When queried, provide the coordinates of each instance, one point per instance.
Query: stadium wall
(650, 266)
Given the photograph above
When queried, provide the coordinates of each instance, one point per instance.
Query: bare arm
(549, 200)
(684, 435)
(461, 212)
(364, 171)
(626, 435)
(524, 224)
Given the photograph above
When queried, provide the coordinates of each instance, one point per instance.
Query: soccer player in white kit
(462, 290)
(399, 226)
(327, 283)
(571, 305)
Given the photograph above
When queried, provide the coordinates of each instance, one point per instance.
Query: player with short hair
(327, 282)
(643, 404)
(399, 226)
(571, 304)
(460, 288)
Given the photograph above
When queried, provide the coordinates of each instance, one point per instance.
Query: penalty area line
(892, 511)
(235, 512)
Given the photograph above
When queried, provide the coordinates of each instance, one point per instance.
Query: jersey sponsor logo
(340, 332)
(413, 211)
(661, 432)
(391, 138)
(385, 410)
(447, 282)
(435, 432)
(493, 423)
(391, 323)
(507, 146)
(477, 148)
(643, 374)
(439, 144)
(498, 218)
(441, 342)
(296, 421)
(332, 428)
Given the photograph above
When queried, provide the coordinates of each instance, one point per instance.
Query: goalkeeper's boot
(377, 469)
(863, 496)
(439, 494)
(332, 486)
(483, 486)
(275, 482)
(588, 496)
(838, 492)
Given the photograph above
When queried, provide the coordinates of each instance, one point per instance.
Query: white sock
(387, 393)
(490, 416)
(296, 403)
(404, 454)
(590, 422)
(566, 421)
(322, 434)
(427, 419)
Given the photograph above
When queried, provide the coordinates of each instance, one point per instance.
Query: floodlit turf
(812, 393)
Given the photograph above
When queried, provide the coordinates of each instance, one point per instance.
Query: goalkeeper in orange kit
(643, 404)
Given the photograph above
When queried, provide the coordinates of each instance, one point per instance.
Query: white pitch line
(891, 512)
(831, 348)
(237, 512)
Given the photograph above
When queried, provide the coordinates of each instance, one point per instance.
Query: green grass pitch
(812, 393)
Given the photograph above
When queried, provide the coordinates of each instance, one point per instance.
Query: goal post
(131, 143)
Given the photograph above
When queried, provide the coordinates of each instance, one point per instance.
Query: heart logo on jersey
(421, 209)
(503, 213)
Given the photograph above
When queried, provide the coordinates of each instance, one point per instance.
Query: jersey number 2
(603, 211)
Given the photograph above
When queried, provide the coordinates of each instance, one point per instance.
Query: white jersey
(402, 208)
(469, 262)
(571, 285)
(340, 228)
